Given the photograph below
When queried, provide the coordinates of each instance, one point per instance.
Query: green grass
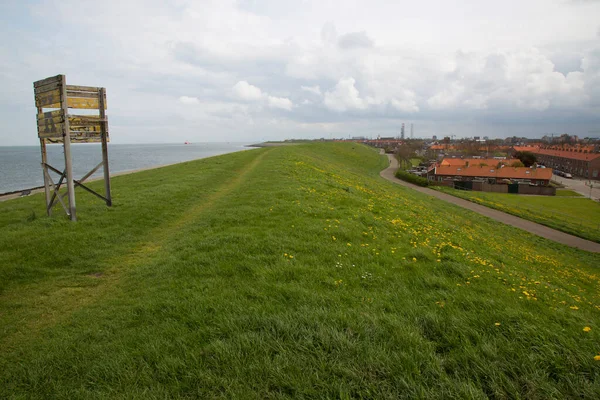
(577, 216)
(568, 193)
(289, 272)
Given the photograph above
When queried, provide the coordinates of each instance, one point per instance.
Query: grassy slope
(292, 271)
(569, 193)
(577, 216)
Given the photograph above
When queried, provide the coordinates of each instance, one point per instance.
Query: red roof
(498, 173)
(573, 155)
(492, 162)
(531, 149)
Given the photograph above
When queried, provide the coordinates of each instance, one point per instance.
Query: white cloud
(280, 102)
(423, 65)
(405, 101)
(247, 92)
(344, 97)
(188, 100)
(312, 89)
(355, 40)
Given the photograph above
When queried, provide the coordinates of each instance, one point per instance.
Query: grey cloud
(354, 40)
(583, 1)
(328, 33)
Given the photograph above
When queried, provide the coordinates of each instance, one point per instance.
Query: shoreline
(17, 194)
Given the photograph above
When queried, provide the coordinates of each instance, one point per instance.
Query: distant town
(511, 165)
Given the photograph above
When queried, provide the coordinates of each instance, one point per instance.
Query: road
(580, 186)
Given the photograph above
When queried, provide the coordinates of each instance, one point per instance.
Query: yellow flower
(587, 329)
(574, 308)
(414, 259)
(497, 324)
(291, 256)
(597, 358)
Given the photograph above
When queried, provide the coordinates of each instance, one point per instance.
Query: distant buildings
(582, 161)
(491, 174)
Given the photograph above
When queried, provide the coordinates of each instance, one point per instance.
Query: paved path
(505, 218)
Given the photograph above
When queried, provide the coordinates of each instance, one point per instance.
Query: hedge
(408, 177)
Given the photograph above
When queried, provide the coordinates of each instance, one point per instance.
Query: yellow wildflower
(587, 329)
(497, 323)
(597, 358)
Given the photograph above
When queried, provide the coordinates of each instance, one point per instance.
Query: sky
(257, 70)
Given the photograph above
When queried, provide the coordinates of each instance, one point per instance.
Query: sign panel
(50, 124)
(46, 99)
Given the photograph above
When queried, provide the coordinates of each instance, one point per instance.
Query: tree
(526, 157)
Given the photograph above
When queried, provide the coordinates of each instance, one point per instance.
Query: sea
(20, 167)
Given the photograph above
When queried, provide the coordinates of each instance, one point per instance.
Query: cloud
(250, 93)
(247, 92)
(328, 33)
(189, 100)
(344, 97)
(312, 89)
(405, 101)
(251, 62)
(355, 40)
(280, 102)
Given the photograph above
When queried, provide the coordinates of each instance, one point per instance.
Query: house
(574, 161)
(491, 174)
(578, 160)
(491, 162)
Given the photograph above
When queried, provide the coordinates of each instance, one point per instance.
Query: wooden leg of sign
(45, 172)
(67, 148)
(103, 127)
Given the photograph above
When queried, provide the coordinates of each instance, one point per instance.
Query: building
(576, 160)
(492, 175)
(580, 163)
(490, 162)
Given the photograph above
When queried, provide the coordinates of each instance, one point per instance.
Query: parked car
(567, 175)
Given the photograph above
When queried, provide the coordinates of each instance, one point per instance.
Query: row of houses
(491, 175)
(578, 161)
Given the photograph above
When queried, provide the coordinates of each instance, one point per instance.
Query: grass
(577, 216)
(568, 193)
(288, 272)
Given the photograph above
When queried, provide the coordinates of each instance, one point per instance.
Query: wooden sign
(53, 100)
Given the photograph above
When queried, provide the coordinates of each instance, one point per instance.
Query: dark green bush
(408, 177)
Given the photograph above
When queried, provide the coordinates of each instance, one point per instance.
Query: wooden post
(67, 150)
(104, 130)
(44, 167)
(45, 173)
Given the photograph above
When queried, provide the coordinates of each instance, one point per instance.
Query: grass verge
(577, 216)
(288, 272)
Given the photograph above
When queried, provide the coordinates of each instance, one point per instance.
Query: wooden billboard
(82, 128)
(54, 100)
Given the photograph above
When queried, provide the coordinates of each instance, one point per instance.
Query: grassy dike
(288, 272)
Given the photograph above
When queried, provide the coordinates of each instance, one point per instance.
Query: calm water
(20, 165)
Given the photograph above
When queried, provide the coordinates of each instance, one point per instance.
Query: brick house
(533, 176)
(574, 161)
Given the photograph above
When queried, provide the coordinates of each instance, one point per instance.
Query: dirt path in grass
(62, 299)
(531, 227)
